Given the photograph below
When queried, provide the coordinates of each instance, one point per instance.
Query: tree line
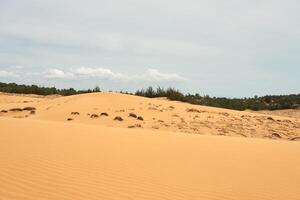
(268, 102)
(40, 90)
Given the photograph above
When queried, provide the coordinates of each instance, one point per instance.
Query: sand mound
(62, 160)
(155, 114)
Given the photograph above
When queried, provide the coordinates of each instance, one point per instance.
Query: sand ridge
(120, 110)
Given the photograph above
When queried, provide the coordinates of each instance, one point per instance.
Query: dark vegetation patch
(140, 118)
(32, 112)
(104, 114)
(4, 111)
(135, 126)
(132, 115)
(70, 119)
(118, 118)
(29, 108)
(34, 89)
(75, 113)
(94, 116)
(268, 102)
(16, 109)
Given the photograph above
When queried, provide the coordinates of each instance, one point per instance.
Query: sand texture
(119, 110)
(172, 151)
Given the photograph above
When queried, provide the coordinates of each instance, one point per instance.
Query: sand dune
(59, 160)
(114, 146)
(156, 114)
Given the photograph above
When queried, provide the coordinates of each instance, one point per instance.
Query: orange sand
(43, 156)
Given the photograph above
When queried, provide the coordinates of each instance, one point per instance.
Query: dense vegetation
(34, 89)
(269, 102)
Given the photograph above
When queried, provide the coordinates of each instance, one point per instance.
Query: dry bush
(4, 111)
(29, 108)
(104, 114)
(94, 116)
(140, 118)
(135, 126)
(132, 115)
(70, 119)
(32, 112)
(75, 113)
(118, 118)
(16, 110)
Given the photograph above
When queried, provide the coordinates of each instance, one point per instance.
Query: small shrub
(135, 126)
(140, 118)
(70, 119)
(94, 116)
(32, 112)
(75, 113)
(118, 118)
(132, 115)
(16, 110)
(29, 108)
(4, 111)
(104, 114)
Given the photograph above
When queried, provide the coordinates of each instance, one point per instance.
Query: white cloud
(97, 73)
(54, 73)
(156, 75)
(8, 74)
(106, 73)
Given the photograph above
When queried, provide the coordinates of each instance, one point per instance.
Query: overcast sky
(223, 48)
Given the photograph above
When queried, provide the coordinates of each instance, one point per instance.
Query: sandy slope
(45, 156)
(158, 114)
(40, 159)
(294, 113)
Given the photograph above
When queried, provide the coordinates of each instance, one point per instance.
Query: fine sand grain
(166, 150)
(56, 160)
(155, 114)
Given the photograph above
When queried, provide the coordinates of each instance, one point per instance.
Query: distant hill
(268, 102)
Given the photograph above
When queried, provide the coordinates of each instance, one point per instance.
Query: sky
(232, 48)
